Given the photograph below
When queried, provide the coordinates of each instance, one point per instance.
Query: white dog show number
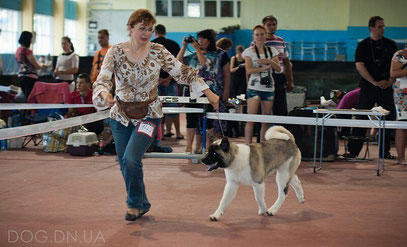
(146, 128)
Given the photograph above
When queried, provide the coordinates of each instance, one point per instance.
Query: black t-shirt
(376, 55)
(171, 46)
(224, 57)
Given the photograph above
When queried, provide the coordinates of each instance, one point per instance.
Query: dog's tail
(279, 132)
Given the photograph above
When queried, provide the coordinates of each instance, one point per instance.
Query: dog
(250, 164)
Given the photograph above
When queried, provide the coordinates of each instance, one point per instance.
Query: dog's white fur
(239, 172)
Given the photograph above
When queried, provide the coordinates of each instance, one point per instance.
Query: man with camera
(373, 58)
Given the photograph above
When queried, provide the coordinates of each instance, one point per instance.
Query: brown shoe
(132, 214)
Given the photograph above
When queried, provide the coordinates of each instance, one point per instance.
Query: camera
(189, 39)
(265, 81)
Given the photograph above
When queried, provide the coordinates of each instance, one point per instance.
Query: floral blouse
(400, 88)
(138, 81)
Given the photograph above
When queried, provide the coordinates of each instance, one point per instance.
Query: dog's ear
(212, 138)
(225, 145)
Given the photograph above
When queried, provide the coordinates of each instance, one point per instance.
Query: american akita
(250, 164)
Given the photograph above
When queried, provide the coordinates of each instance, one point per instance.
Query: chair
(46, 93)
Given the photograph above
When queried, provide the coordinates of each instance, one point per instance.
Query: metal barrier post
(204, 130)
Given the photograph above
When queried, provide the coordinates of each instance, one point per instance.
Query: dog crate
(82, 143)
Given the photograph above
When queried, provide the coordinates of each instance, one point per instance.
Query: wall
(82, 47)
(27, 13)
(58, 25)
(27, 16)
(298, 14)
(393, 11)
(119, 4)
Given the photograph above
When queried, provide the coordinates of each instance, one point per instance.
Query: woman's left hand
(57, 73)
(195, 45)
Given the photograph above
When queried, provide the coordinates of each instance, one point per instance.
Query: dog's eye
(215, 153)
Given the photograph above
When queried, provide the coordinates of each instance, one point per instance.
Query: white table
(379, 122)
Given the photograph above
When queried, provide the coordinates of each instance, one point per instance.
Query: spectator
(284, 79)
(224, 43)
(83, 95)
(260, 61)
(103, 40)
(399, 70)
(27, 63)
(213, 66)
(168, 86)
(237, 67)
(373, 58)
(67, 63)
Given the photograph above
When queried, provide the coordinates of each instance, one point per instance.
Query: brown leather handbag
(134, 110)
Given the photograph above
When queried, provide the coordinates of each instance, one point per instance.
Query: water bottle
(9, 122)
(3, 145)
(100, 145)
(15, 119)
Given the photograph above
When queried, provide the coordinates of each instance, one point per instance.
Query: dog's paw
(214, 217)
(302, 200)
(262, 212)
(271, 212)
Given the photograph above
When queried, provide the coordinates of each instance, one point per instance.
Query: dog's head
(219, 155)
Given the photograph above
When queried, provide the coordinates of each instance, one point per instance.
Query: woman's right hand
(184, 42)
(108, 98)
(212, 98)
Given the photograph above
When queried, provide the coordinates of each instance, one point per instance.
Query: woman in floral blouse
(399, 70)
(136, 66)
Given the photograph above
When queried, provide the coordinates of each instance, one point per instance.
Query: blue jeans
(131, 144)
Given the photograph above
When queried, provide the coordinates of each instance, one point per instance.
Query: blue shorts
(264, 96)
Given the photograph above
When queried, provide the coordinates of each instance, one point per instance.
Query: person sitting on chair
(83, 95)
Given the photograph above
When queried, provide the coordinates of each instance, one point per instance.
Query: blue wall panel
(358, 33)
(319, 40)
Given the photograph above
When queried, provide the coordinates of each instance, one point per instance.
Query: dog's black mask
(214, 158)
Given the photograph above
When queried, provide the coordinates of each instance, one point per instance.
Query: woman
(213, 66)
(399, 70)
(237, 67)
(27, 63)
(224, 43)
(67, 63)
(260, 63)
(136, 66)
